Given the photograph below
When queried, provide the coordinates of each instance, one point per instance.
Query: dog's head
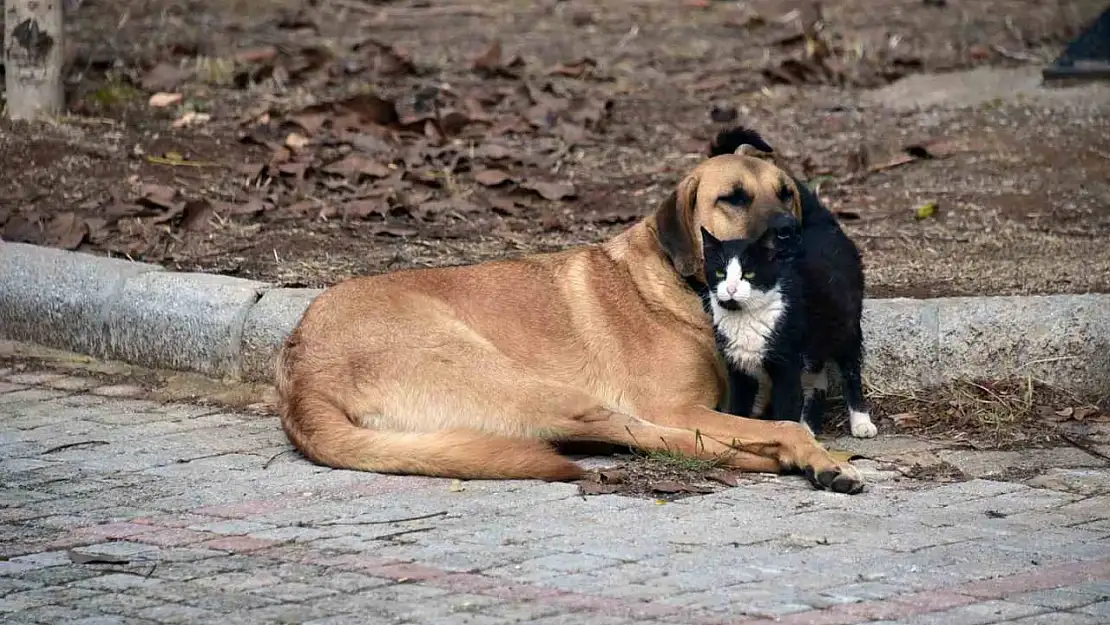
(734, 196)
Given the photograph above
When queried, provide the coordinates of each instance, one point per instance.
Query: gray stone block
(58, 298)
(269, 322)
(183, 321)
(900, 344)
(1063, 340)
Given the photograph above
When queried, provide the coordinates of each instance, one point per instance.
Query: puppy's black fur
(831, 272)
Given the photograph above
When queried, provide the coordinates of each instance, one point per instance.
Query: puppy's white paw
(861, 425)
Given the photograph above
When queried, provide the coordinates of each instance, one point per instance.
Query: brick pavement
(116, 510)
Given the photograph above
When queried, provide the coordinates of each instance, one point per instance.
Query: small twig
(279, 454)
(402, 533)
(72, 445)
(172, 162)
(425, 11)
(381, 522)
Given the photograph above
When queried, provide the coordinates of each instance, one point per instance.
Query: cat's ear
(707, 237)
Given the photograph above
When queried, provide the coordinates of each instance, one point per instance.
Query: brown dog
(470, 371)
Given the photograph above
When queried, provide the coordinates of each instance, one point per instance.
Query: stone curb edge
(231, 328)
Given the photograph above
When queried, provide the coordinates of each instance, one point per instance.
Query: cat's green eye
(720, 273)
(749, 276)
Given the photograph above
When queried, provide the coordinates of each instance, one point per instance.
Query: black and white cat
(784, 306)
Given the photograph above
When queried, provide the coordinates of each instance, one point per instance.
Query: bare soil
(304, 142)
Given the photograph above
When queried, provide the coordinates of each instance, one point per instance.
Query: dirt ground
(306, 141)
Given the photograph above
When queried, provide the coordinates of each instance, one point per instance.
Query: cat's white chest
(748, 332)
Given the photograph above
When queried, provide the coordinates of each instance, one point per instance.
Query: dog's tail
(325, 435)
(729, 140)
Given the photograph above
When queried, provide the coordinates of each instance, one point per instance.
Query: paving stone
(1057, 618)
(52, 614)
(72, 383)
(977, 614)
(120, 603)
(174, 614)
(119, 582)
(1057, 598)
(570, 562)
(1100, 609)
(35, 378)
(122, 550)
(118, 390)
(231, 528)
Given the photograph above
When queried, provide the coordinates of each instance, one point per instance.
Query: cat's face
(739, 271)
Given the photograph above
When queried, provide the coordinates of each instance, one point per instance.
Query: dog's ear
(791, 193)
(675, 220)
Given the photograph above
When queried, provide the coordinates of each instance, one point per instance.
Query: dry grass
(985, 414)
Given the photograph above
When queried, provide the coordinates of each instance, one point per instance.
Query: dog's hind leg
(859, 419)
(815, 389)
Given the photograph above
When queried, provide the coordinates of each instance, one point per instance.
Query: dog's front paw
(861, 425)
(845, 479)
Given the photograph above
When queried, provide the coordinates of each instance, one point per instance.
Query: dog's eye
(786, 193)
(720, 273)
(738, 197)
(749, 275)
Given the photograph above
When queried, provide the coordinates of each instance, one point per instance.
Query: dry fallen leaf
(67, 231)
(550, 190)
(163, 99)
(456, 486)
(925, 211)
(905, 419)
(160, 196)
(164, 77)
(491, 64)
(670, 487)
(196, 215)
(1084, 412)
(296, 141)
(596, 488)
(358, 166)
(191, 118)
(575, 69)
(491, 177)
(728, 478)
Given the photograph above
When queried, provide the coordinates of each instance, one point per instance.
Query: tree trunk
(33, 57)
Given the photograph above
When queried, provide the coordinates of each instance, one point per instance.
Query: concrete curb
(232, 328)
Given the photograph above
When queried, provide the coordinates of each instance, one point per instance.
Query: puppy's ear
(675, 220)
